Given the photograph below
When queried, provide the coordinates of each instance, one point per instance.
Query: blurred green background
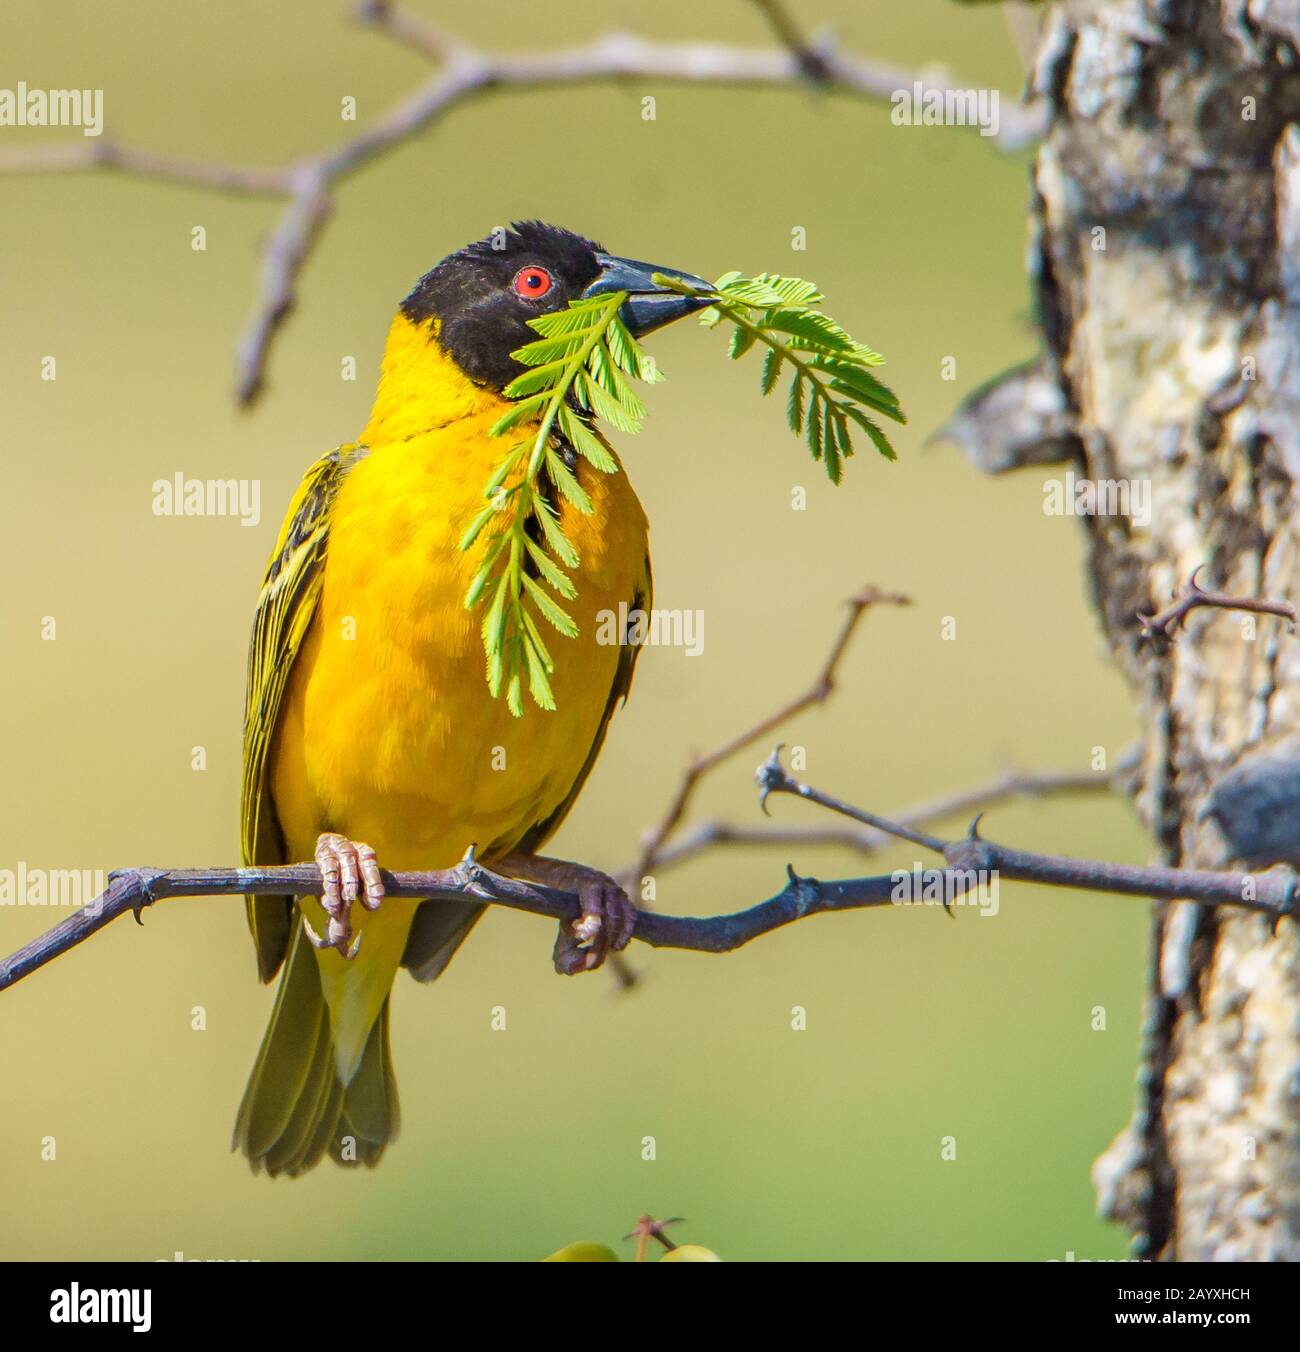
(773, 1143)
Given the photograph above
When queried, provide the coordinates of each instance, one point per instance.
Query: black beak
(648, 306)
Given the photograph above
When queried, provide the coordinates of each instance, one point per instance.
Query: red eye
(532, 282)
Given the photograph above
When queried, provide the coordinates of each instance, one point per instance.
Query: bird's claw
(349, 872)
(316, 941)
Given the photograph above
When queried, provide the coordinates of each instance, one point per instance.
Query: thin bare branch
(135, 889)
(1275, 892)
(411, 30)
(772, 778)
(71, 157)
(821, 689)
(1191, 596)
(464, 72)
(283, 259)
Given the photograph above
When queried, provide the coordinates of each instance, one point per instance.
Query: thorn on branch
(972, 854)
(473, 875)
(138, 884)
(771, 777)
(805, 890)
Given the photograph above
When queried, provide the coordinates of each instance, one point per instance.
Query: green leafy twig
(831, 385)
(579, 369)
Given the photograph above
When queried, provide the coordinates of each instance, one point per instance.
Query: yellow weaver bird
(368, 717)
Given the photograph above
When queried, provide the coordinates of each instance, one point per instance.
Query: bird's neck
(421, 387)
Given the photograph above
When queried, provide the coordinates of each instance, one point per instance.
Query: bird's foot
(604, 927)
(607, 919)
(349, 872)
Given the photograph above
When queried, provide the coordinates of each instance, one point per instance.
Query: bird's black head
(483, 296)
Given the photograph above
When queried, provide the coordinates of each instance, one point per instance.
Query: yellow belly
(389, 733)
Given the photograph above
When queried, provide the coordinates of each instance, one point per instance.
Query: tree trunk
(1167, 264)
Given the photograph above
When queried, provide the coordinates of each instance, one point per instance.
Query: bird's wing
(290, 592)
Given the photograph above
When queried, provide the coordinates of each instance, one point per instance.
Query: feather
(285, 608)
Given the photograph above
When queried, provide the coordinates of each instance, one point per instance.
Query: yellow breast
(390, 734)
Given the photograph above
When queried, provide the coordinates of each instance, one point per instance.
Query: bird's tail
(295, 1107)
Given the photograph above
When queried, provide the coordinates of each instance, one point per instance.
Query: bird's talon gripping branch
(605, 926)
(606, 915)
(349, 872)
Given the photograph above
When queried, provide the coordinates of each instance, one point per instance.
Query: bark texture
(1166, 257)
